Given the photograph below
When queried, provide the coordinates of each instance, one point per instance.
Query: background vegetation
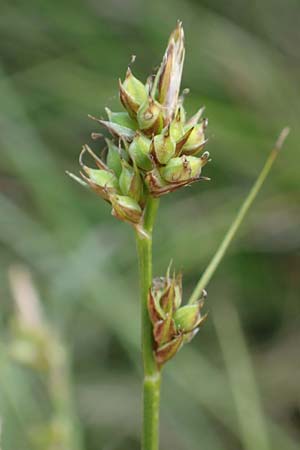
(237, 385)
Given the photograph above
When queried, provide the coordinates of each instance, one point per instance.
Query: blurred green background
(237, 385)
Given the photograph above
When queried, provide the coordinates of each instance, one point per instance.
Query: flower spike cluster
(154, 149)
(173, 324)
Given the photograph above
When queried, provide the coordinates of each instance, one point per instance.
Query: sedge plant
(155, 149)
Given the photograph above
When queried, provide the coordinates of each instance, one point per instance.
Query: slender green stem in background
(218, 256)
(251, 418)
(49, 348)
(151, 389)
(59, 386)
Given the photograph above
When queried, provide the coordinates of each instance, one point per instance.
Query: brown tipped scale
(180, 143)
(164, 330)
(158, 187)
(155, 313)
(170, 73)
(196, 140)
(196, 117)
(167, 351)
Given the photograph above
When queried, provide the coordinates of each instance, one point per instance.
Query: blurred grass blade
(218, 256)
(34, 244)
(32, 160)
(253, 427)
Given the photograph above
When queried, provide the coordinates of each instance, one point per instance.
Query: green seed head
(173, 325)
(153, 145)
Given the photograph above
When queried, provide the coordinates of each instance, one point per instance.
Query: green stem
(151, 385)
(218, 256)
(59, 385)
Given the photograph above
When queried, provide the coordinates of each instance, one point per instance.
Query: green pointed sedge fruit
(130, 181)
(126, 208)
(184, 168)
(102, 181)
(114, 158)
(133, 93)
(196, 141)
(139, 151)
(163, 147)
(150, 117)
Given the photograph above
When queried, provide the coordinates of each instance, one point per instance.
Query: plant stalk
(152, 376)
(237, 221)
